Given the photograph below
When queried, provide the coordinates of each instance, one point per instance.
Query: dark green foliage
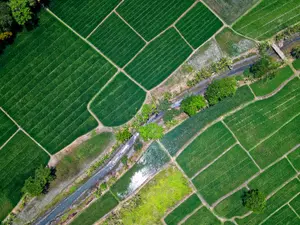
(6, 19)
(163, 105)
(265, 65)
(254, 200)
(7, 128)
(171, 114)
(22, 10)
(192, 104)
(147, 111)
(220, 89)
(124, 160)
(296, 52)
(123, 135)
(151, 131)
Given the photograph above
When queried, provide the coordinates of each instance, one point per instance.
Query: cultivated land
(202, 217)
(119, 101)
(296, 64)
(268, 18)
(7, 128)
(294, 157)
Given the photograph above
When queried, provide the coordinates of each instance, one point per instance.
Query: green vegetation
(117, 40)
(176, 138)
(221, 89)
(184, 209)
(150, 163)
(230, 10)
(202, 217)
(153, 200)
(47, 82)
(198, 25)
(284, 216)
(228, 172)
(205, 148)
(233, 44)
(192, 104)
(295, 204)
(19, 158)
(149, 18)
(268, 18)
(151, 131)
(255, 201)
(258, 120)
(265, 66)
(21, 10)
(232, 205)
(296, 52)
(269, 84)
(119, 101)
(83, 17)
(169, 115)
(7, 128)
(294, 157)
(96, 210)
(159, 59)
(123, 135)
(296, 64)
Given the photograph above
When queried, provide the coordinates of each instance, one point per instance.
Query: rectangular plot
(260, 119)
(278, 144)
(294, 157)
(295, 204)
(119, 101)
(176, 138)
(7, 128)
(280, 198)
(117, 40)
(184, 209)
(159, 59)
(19, 158)
(149, 18)
(83, 16)
(227, 173)
(284, 216)
(202, 217)
(205, 148)
(198, 25)
(268, 18)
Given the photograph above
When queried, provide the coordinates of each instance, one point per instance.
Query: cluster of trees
(288, 32)
(192, 104)
(265, 66)
(254, 200)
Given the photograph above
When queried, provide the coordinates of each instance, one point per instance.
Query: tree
(151, 131)
(123, 135)
(254, 200)
(21, 10)
(265, 65)
(220, 89)
(170, 114)
(147, 111)
(296, 52)
(6, 19)
(192, 104)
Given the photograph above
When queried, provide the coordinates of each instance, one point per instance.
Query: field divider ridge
(247, 11)
(224, 23)
(189, 215)
(255, 97)
(5, 143)
(293, 210)
(287, 158)
(183, 38)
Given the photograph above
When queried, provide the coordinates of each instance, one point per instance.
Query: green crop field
(205, 148)
(228, 172)
(230, 10)
(268, 18)
(295, 204)
(117, 40)
(152, 161)
(83, 16)
(198, 25)
(159, 59)
(18, 160)
(119, 101)
(284, 216)
(96, 210)
(255, 122)
(267, 85)
(7, 128)
(294, 157)
(149, 18)
(47, 83)
(202, 217)
(232, 206)
(296, 64)
(287, 138)
(176, 138)
(184, 209)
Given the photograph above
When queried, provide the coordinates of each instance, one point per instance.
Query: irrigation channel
(51, 216)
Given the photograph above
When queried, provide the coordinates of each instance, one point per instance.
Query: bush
(147, 111)
(170, 114)
(151, 131)
(296, 52)
(220, 89)
(254, 200)
(192, 104)
(123, 135)
(265, 65)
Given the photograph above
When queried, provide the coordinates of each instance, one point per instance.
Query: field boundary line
(105, 18)
(293, 210)
(191, 214)
(183, 38)
(25, 132)
(11, 137)
(212, 162)
(287, 158)
(216, 15)
(247, 11)
(255, 97)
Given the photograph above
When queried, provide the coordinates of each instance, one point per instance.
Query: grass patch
(176, 138)
(268, 85)
(7, 128)
(202, 217)
(47, 79)
(18, 160)
(184, 209)
(96, 210)
(232, 205)
(151, 162)
(205, 148)
(296, 64)
(159, 59)
(117, 40)
(284, 216)
(233, 44)
(198, 25)
(153, 200)
(258, 120)
(228, 172)
(119, 101)
(294, 157)
(278, 144)
(149, 18)
(268, 18)
(83, 16)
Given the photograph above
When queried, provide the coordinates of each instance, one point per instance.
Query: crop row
(7, 128)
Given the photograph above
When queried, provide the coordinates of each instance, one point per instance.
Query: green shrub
(123, 135)
(254, 200)
(265, 65)
(192, 104)
(151, 131)
(170, 114)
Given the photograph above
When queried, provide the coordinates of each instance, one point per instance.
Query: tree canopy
(151, 131)
(6, 19)
(265, 65)
(254, 200)
(21, 10)
(123, 135)
(296, 52)
(192, 104)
